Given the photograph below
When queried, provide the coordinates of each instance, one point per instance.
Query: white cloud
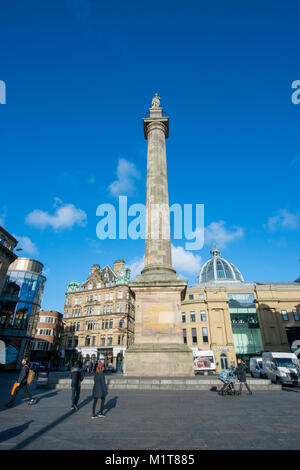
(27, 245)
(182, 260)
(127, 175)
(65, 217)
(283, 220)
(2, 217)
(216, 232)
(136, 265)
(185, 261)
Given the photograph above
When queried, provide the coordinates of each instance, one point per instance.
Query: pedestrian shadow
(13, 432)
(50, 426)
(112, 403)
(85, 402)
(48, 395)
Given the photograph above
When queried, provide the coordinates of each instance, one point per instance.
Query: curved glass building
(20, 303)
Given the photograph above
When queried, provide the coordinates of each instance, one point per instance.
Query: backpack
(30, 377)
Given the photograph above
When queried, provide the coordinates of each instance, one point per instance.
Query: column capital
(155, 123)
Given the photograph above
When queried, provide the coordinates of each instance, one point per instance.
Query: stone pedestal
(158, 360)
(158, 349)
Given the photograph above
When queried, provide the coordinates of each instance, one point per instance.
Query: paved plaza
(153, 420)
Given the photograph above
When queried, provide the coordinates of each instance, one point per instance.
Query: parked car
(281, 367)
(256, 367)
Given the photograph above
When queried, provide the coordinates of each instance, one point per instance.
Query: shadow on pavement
(50, 426)
(290, 389)
(48, 395)
(13, 432)
(112, 403)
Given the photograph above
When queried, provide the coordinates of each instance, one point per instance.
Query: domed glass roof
(219, 269)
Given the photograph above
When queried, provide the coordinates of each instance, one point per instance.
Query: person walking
(241, 374)
(77, 376)
(99, 391)
(37, 370)
(21, 384)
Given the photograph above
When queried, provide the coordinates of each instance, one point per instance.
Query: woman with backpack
(25, 378)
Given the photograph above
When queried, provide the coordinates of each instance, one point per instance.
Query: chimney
(95, 267)
(118, 265)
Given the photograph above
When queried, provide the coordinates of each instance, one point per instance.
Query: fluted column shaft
(157, 245)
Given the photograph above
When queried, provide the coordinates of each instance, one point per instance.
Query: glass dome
(219, 269)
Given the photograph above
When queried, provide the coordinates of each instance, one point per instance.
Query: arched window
(224, 361)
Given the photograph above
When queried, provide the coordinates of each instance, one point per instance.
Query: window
(200, 296)
(184, 335)
(193, 316)
(296, 315)
(203, 315)
(120, 295)
(87, 340)
(121, 324)
(121, 339)
(194, 336)
(106, 296)
(191, 297)
(285, 316)
(183, 317)
(93, 340)
(76, 301)
(110, 324)
(106, 324)
(102, 341)
(98, 285)
(204, 335)
(111, 296)
(78, 326)
(109, 340)
(90, 286)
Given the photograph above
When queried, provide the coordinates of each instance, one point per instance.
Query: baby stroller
(227, 377)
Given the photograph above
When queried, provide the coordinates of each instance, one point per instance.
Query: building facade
(7, 256)
(99, 316)
(20, 303)
(47, 340)
(237, 319)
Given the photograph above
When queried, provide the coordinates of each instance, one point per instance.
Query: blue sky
(80, 75)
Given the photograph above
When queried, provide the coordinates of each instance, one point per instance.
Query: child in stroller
(227, 377)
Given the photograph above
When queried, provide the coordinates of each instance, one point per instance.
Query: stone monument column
(158, 348)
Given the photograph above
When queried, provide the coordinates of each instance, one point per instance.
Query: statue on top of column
(156, 101)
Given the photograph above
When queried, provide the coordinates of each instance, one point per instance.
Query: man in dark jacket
(77, 376)
(241, 374)
(99, 391)
(21, 384)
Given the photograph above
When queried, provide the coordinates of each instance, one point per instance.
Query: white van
(256, 367)
(281, 367)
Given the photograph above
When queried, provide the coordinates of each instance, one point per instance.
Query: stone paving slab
(151, 420)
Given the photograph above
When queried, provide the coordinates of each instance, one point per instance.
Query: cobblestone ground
(151, 420)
